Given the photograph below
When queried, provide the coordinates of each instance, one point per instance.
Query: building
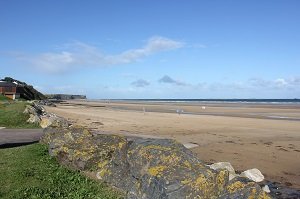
(10, 90)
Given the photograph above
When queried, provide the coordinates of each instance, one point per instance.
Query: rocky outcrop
(38, 115)
(145, 168)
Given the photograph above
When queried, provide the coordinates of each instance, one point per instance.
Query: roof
(7, 84)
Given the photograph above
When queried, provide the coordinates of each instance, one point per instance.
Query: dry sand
(260, 136)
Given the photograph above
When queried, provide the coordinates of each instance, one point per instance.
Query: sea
(254, 101)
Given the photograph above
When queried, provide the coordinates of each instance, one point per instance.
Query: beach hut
(9, 90)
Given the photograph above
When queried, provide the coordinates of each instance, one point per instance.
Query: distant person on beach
(179, 111)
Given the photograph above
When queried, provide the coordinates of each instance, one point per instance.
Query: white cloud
(279, 83)
(78, 54)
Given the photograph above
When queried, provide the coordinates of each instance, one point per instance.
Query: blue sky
(153, 49)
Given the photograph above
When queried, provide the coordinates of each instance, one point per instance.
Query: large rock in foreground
(145, 168)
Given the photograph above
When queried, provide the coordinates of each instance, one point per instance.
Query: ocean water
(260, 101)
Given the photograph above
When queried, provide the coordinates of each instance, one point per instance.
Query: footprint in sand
(230, 141)
(283, 149)
(268, 143)
(219, 151)
(288, 173)
(97, 123)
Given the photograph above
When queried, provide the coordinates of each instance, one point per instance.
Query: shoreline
(271, 145)
(197, 109)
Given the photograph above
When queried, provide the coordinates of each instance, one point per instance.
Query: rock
(163, 168)
(232, 176)
(224, 165)
(266, 189)
(243, 188)
(46, 103)
(53, 120)
(30, 110)
(279, 190)
(143, 167)
(34, 119)
(34, 109)
(253, 174)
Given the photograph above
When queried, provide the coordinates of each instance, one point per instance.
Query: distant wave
(265, 101)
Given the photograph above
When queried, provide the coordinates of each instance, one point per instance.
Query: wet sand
(263, 136)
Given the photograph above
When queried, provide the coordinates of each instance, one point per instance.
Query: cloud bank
(78, 55)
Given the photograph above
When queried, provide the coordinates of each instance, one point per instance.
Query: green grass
(29, 172)
(3, 98)
(12, 116)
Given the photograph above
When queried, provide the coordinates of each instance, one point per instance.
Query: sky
(153, 49)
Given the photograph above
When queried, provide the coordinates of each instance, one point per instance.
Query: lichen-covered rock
(39, 115)
(35, 109)
(145, 168)
(243, 188)
(33, 119)
(224, 165)
(162, 167)
(54, 121)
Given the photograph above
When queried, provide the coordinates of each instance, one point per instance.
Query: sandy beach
(262, 136)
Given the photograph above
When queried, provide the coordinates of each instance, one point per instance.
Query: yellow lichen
(221, 179)
(202, 183)
(121, 144)
(65, 149)
(235, 186)
(172, 159)
(186, 181)
(263, 195)
(157, 147)
(187, 164)
(86, 132)
(253, 194)
(102, 164)
(104, 172)
(155, 171)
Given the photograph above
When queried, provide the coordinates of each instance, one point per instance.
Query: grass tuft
(4, 98)
(12, 116)
(29, 172)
